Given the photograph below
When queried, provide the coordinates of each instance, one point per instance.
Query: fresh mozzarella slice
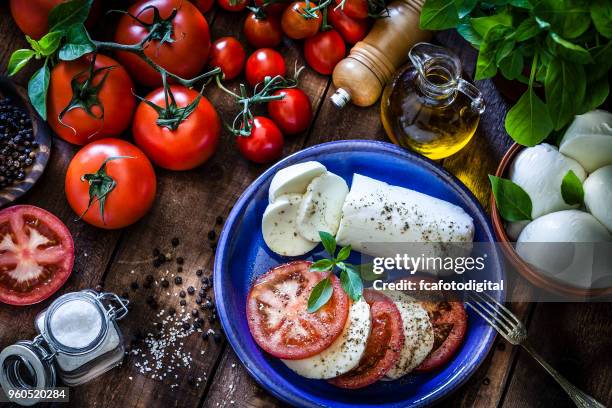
(321, 207)
(294, 179)
(418, 334)
(344, 353)
(279, 227)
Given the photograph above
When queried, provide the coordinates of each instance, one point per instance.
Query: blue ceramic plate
(242, 255)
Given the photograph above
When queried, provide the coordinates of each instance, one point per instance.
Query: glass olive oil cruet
(428, 107)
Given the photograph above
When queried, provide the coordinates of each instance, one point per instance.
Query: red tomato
(134, 177)
(265, 144)
(295, 25)
(293, 113)
(276, 7)
(352, 30)
(191, 144)
(355, 8)
(324, 51)
(277, 312)
(228, 54)
(204, 5)
(263, 31)
(185, 57)
(36, 256)
(449, 321)
(233, 5)
(116, 102)
(262, 63)
(383, 346)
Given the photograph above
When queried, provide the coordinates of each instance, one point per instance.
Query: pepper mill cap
(340, 98)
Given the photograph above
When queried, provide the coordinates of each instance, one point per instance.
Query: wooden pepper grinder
(361, 77)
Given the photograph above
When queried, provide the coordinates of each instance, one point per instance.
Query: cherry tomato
(383, 346)
(262, 63)
(265, 144)
(204, 5)
(293, 113)
(263, 31)
(351, 29)
(275, 7)
(228, 54)
(355, 8)
(295, 25)
(185, 56)
(36, 255)
(324, 51)
(112, 110)
(277, 312)
(134, 183)
(233, 5)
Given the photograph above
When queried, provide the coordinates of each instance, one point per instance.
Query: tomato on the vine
(265, 144)
(324, 51)
(292, 113)
(263, 31)
(184, 56)
(110, 183)
(233, 5)
(355, 8)
(351, 29)
(228, 54)
(262, 63)
(297, 25)
(204, 5)
(170, 139)
(86, 103)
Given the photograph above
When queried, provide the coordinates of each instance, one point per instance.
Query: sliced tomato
(278, 317)
(36, 254)
(383, 347)
(449, 321)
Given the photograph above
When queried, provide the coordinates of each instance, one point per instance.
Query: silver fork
(511, 328)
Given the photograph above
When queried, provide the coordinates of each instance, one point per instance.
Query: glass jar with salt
(78, 340)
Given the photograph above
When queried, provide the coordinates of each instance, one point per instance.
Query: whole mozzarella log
(344, 353)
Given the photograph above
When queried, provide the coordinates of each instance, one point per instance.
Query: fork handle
(580, 398)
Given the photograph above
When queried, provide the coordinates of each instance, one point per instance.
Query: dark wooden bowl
(42, 135)
(526, 270)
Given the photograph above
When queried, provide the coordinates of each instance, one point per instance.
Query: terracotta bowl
(526, 270)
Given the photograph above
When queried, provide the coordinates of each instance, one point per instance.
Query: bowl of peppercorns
(25, 143)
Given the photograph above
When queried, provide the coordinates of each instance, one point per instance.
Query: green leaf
(322, 265)
(34, 44)
(466, 7)
(320, 295)
(571, 189)
(512, 65)
(18, 60)
(528, 122)
(511, 200)
(526, 4)
(329, 242)
(351, 283)
(344, 253)
(596, 94)
(77, 43)
(527, 29)
(601, 13)
(602, 57)
(565, 86)
(482, 25)
(67, 14)
(439, 15)
(50, 42)
(569, 18)
(503, 50)
(37, 90)
(570, 51)
(486, 64)
(467, 31)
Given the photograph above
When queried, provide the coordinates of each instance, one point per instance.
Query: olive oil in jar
(427, 107)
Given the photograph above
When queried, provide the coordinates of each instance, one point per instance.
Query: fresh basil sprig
(350, 278)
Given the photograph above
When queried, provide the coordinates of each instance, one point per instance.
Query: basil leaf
(503, 50)
(322, 265)
(351, 283)
(344, 253)
(467, 31)
(596, 94)
(77, 44)
(67, 14)
(329, 242)
(320, 295)
(439, 15)
(18, 60)
(50, 42)
(527, 29)
(521, 4)
(512, 65)
(565, 86)
(511, 200)
(528, 122)
(466, 7)
(482, 25)
(571, 189)
(486, 64)
(601, 13)
(570, 18)
(570, 51)
(37, 90)
(602, 55)
(34, 44)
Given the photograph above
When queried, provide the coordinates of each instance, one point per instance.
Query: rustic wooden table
(575, 338)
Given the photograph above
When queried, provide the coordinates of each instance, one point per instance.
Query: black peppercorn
(175, 242)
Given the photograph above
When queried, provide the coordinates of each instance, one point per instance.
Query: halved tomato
(36, 254)
(383, 347)
(277, 312)
(449, 321)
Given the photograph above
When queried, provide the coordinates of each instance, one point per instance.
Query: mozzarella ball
(588, 140)
(598, 195)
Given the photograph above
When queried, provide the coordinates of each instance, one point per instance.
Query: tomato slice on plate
(36, 254)
(383, 347)
(449, 321)
(277, 312)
